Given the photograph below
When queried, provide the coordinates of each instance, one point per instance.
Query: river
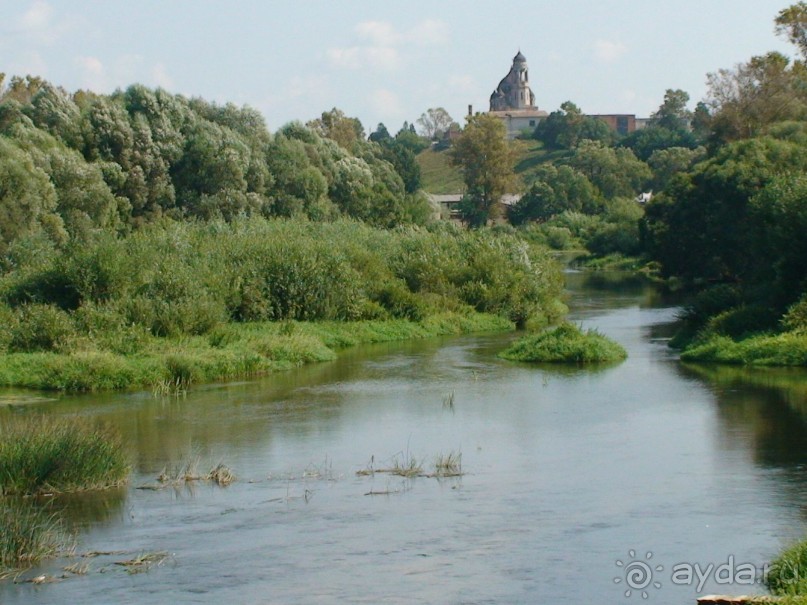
(571, 478)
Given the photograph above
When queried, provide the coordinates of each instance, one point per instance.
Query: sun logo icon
(638, 574)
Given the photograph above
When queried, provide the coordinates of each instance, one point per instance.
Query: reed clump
(28, 535)
(41, 454)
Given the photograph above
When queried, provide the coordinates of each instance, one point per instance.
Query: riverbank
(171, 365)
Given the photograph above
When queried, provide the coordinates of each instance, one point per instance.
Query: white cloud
(383, 42)
(37, 17)
(380, 33)
(93, 76)
(429, 33)
(386, 103)
(37, 25)
(464, 84)
(360, 57)
(28, 63)
(160, 76)
(608, 51)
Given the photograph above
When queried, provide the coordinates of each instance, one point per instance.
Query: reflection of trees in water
(770, 404)
(615, 289)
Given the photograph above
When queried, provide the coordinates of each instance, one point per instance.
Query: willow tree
(486, 161)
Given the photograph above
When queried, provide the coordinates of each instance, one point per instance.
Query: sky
(384, 61)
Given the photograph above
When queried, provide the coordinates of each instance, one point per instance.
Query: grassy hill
(439, 176)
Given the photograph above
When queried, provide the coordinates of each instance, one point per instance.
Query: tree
(566, 127)
(335, 125)
(791, 22)
(673, 113)
(486, 161)
(434, 123)
(555, 190)
(666, 163)
(615, 172)
(754, 95)
(380, 134)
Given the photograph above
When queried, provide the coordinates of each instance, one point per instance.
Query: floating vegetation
(448, 401)
(144, 562)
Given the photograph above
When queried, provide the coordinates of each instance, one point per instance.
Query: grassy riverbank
(180, 303)
(169, 365)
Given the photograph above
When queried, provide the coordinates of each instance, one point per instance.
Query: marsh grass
(401, 465)
(39, 454)
(187, 472)
(565, 344)
(29, 535)
(448, 401)
(448, 465)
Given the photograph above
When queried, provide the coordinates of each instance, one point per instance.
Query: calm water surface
(567, 471)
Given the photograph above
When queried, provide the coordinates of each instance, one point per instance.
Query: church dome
(519, 58)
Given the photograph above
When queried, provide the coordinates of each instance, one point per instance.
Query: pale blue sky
(387, 61)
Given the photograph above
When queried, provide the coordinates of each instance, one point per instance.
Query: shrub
(40, 328)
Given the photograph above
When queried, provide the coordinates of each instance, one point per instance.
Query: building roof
(519, 58)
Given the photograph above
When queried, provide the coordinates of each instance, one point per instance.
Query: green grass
(788, 572)
(786, 349)
(39, 454)
(28, 535)
(565, 344)
(437, 174)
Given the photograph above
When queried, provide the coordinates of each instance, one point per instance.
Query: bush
(40, 328)
(796, 317)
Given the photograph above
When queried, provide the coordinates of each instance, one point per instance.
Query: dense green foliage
(71, 164)
(41, 454)
(565, 344)
(730, 222)
(486, 161)
(118, 311)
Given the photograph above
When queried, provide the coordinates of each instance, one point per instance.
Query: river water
(572, 477)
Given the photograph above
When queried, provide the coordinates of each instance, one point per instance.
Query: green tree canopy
(486, 161)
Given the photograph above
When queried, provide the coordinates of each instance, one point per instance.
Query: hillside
(440, 177)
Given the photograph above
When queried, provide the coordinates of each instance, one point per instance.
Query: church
(513, 100)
